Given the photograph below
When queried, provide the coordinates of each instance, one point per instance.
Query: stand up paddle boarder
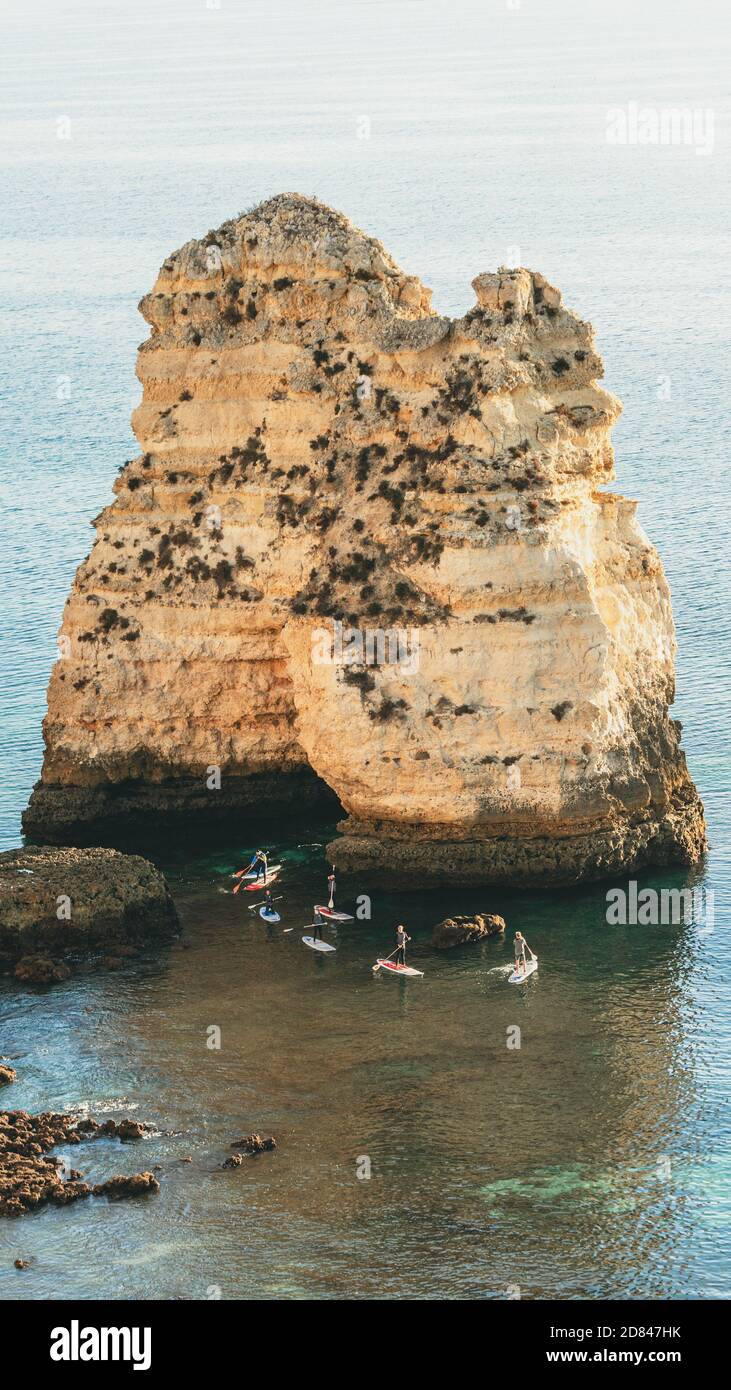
(331, 888)
(401, 939)
(520, 946)
(258, 863)
(317, 926)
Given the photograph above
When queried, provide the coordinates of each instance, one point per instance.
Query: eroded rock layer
(320, 447)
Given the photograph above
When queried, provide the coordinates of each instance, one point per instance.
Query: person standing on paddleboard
(401, 939)
(520, 946)
(317, 927)
(259, 863)
(331, 888)
(241, 873)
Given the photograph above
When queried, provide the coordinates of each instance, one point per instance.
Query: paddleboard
(272, 869)
(518, 976)
(269, 916)
(398, 969)
(317, 945)
(261, 885)
(331, 915)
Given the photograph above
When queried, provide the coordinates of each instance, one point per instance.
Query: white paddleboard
(269, 916)
(261, 885)
(330, 914)
(317, 945)
(518, 976)
(395, 969)
(272, 869)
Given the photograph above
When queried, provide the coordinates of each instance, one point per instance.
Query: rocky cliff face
(320, 448)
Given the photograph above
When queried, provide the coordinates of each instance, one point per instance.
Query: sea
(451, 1136)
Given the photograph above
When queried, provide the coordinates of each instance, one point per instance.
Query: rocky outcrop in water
(455, 931)
(254, 1144)
(327, 463)
(249, 1145)
(41, 970)
(29, 1177)
(77, 901)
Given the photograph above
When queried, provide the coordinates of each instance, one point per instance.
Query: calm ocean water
(595, 1160)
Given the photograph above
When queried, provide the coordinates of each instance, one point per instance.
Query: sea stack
(327, 463)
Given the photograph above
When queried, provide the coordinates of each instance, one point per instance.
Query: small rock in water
(254, 1144)
(111, 962)
(136, 1186)
(7, 1075)
(41, 970)
(455, 931)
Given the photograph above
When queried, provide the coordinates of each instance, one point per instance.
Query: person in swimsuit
(331, 888)
(401, 939)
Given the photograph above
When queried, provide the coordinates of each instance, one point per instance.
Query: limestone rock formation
(320, 448)
(73, 900)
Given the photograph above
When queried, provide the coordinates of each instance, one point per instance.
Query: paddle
(377, 967)
(253, 906)
(239, 873)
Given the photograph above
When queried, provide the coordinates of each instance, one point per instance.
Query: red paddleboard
(256, 887)
(398, 969)
(330, 914)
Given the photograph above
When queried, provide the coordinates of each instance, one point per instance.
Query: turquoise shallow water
(594, 1159)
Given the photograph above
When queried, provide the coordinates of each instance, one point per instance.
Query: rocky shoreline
(30, 1178)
